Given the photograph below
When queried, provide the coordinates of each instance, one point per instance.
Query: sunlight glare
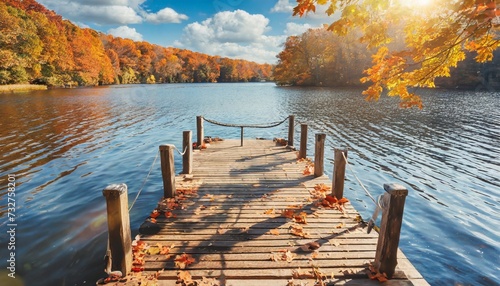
(422, 2)
(416, 3)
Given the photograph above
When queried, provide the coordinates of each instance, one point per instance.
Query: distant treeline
(321, 58)
(38, 46)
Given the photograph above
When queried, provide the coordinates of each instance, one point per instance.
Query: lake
(64, 146)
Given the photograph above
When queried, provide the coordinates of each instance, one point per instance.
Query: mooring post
(168, 170)
(119, 235)
(339, 164)
(390, 229)
(303, 141)
(241, 136)
(319, 155)
(199, 131)
(187, 158)
(291, 125)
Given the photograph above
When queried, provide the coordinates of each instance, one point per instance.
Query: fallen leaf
(288, 213)
(164, 250)
(183, 260)
(138, 246)
(274, 232)
(343, 201)
(154, 214)
(153, 250)
(171, 203)
(300, 218)
(269, 211)
(168, 214)
(322, 187)
(137, 269)
(331, 200)
(138, 261)
(283, 256)
(299, 231)
(340, 225)
(184, 277)
(302, 274)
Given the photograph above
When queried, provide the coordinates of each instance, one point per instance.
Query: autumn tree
(168, 66)
(436, 38)
(318, 57)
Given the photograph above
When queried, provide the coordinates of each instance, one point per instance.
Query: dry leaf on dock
(299, 231)
(183, 260)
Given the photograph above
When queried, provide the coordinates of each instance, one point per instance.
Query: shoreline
(21, 87)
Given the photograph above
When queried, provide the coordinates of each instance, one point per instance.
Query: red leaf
(331, 200)
(155, 214)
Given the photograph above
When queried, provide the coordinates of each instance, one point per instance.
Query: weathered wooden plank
(262, 264)
(286, 273)
(266, 256)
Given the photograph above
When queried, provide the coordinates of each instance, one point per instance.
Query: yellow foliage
(435, 36)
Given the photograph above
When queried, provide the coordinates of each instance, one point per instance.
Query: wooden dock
(256, 215)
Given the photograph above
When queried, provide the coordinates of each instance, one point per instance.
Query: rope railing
(262, 125)
(380, 204)
(359, 181)
(144, 182)
(183, 152)
(200, 120)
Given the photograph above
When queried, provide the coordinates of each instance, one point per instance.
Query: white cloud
(109, 12)
(166, 15)
(126, 32)
(235, 34)
(282, 6)
(294, 29)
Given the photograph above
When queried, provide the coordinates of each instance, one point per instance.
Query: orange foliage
(61, 53)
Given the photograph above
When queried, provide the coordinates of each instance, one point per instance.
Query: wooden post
(339, 173)
(390, 229)
(120, 238)
(187, 158)
(168, 170)
(303, 141)
(199, 131)
(241, 136)
(319, 155)
(291, 125)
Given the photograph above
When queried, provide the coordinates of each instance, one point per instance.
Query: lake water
(65, 146)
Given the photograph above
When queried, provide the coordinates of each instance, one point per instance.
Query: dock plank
(228, 216)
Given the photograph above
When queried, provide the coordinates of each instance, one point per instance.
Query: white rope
(144, 182)
(183, 152)
(359, 181)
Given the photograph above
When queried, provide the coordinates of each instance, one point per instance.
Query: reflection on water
(66, 145)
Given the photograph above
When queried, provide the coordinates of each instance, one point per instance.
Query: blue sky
(248, 29)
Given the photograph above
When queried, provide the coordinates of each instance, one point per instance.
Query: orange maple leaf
(183, 260)
(154, 214)
(342, 201)
(287, 213)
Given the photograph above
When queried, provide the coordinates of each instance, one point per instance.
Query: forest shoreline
(21, 87)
